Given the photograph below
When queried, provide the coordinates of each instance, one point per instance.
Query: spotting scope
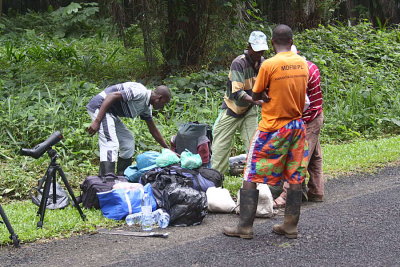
(41, 148)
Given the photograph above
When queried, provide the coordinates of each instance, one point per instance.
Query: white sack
(265, 207)
(219, 200)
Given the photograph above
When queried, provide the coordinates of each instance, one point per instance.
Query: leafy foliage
(46, 81)
(359, 68)
(73, 15)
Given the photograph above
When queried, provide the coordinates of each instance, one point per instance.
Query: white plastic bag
(265, 207)
(219, 200)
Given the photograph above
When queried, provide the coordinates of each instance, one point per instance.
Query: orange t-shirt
(285, 76)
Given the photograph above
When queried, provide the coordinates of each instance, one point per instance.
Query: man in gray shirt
(129, 100)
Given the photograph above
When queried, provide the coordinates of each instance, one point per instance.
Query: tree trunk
(384, 12)
(149, 44)
(379, 12)
(298, 14)
(186, 34)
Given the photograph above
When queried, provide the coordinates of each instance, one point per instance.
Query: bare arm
(107, 103)
(250, 100)
(156, 133)
(263, 96)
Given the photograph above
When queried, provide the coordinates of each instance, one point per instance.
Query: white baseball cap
(258, 41)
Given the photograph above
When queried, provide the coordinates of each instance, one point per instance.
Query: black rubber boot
(122, 164)
(248, 208)
(106, 167)
(292, 213)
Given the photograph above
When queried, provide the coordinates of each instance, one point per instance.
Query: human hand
(258, 102)
(265, 97)
(93, 128)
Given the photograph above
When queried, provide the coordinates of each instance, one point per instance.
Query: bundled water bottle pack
(147, 218)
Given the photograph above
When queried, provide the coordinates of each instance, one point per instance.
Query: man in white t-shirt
(129, 100)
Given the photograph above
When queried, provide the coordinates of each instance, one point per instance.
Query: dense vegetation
(53, 63)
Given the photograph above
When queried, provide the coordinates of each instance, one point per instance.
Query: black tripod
(13, 236)
(48, 179)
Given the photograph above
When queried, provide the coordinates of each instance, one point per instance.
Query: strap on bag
(109, 177)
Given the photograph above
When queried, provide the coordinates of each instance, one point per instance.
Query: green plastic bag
(167, 158)
(190, 160)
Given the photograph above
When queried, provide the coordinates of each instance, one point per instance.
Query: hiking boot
(292, 213)
(248, 207)
(122, 164)
(106, 167)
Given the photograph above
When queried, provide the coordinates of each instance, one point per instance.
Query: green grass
(359, 156)
(57, 223)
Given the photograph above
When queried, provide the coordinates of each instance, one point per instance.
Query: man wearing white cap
(238, 110)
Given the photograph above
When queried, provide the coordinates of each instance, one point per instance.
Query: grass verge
(359, 156)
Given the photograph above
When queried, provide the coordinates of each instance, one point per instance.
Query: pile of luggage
(178, 184)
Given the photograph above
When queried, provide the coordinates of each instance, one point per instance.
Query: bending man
(130, 100)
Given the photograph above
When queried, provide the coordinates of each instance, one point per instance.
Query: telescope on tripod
(51, 174)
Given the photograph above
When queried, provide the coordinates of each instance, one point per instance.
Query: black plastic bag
(174, 193)
(186, 206)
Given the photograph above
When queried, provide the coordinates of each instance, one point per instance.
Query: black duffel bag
(96, 184)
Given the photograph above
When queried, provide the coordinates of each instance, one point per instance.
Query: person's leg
(126, 146)
(248, 127)
(108, 143)
(280, 201)
(294, 173)
(248, 208)
(262, 166)
(223, 132)
(292, 213)
(316, 182)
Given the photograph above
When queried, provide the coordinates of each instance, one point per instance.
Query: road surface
(357, 225)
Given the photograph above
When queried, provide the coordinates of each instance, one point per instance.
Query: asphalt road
(357, 225)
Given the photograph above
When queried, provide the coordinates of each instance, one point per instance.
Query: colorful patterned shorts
(279, 155)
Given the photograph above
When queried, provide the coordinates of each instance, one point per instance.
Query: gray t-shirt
(135, 101)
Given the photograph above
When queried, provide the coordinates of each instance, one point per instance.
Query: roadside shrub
(359, 68)
(46, 81)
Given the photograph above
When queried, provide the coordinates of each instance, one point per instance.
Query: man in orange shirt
(278, 151)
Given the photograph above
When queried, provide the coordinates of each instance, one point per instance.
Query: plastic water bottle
(134, 219)
(161, 218)
(147, 216)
